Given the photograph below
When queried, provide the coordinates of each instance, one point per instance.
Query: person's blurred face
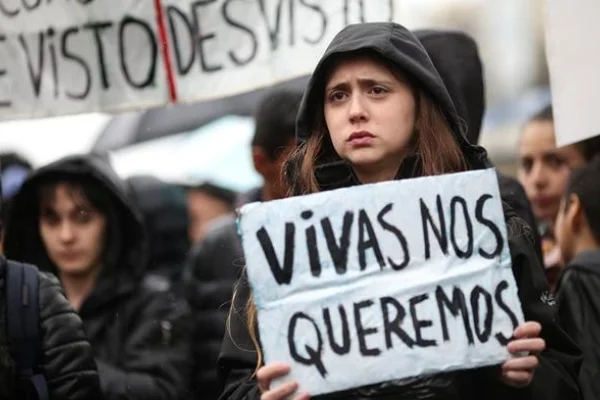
(203, 210)
(544, 168)
(563, 230)
(72, 231)
(370, 115)
(270, 168)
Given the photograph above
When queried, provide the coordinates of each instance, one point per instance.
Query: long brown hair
(433, 143)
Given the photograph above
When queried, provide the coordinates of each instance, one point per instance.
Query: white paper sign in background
(381, 282)
(66, 56)
(573, 52)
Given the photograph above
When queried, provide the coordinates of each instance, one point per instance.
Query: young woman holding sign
(375, 110)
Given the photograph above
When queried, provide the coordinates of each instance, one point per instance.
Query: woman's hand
(518, 371)
(265, 376)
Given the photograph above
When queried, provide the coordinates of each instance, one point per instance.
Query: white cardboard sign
(381, 282)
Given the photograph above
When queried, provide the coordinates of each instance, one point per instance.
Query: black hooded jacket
(578, 299)
(210, 274)
(65, 354)
(164, 210)
(554, 379)
(137, 334)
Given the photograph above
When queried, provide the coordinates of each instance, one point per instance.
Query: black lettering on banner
(469, 250)
(362, 332)
(68, 55)
(399, 235)
(30, 7)
(419, 324)
(314, 355)
(35, 74)
(324, 22)
(283, 275)
(440, 232)
(339, 349)
(458, 305)
(53, 60)
(10, 13)
(273, 32)
(367, 241)
(97, 28)
(311, 245)
(201, 38)
(491, 226)
(4, 103)
(148, 80)
(236, 24)
(500, 337)
(338, 252)
(394, 325)
(182, 67)
(476, 293)
(361, 7)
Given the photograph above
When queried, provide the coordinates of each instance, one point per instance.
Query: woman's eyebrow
(361, 82)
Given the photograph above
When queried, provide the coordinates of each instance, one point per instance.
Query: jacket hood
(124, 257)
(455, 55)
(164, 210)
(403, 49)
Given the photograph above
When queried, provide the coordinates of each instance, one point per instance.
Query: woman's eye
(83, 216)
(337, 96)
(556, 162)
(526, 164)
(378, 90)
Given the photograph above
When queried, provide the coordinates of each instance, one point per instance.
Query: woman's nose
(358, 111)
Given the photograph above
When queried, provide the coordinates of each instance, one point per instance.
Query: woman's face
(544, 169)
(370, 115)
(72, 231)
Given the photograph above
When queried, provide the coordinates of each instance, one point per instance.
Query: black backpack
(22, 315)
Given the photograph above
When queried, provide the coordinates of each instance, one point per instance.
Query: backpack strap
(22, 311)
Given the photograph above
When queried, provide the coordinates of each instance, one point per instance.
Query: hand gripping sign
(402, 278)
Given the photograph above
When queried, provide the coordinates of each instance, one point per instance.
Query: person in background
(73, 218)
(214, 263)
(164, 210)
(206, 203)
(66, 356)
(15, 169)
(543, 171)
(577, 232)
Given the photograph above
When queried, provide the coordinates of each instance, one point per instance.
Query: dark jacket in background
(213, 267)
(137, 334)
(578, 299)
(556, 378)
(164, 210)
(64, 351)
(456, 57)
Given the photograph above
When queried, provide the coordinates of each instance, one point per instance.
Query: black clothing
(578, 299)
(138, 335)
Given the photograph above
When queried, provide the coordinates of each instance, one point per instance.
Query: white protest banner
(66, 56)
(71, 56)
(573, 53)
(403, 278)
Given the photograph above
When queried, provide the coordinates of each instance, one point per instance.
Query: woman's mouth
(360, 139)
